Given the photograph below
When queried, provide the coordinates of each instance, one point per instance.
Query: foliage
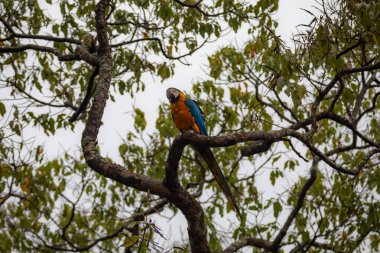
(313, 109)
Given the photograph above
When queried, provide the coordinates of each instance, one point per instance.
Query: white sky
(118, 117)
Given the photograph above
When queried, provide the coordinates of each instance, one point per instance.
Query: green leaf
(140, 122)
(277, 208)
(131, 241)
(2, 109)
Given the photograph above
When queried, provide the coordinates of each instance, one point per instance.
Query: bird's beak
(172, 94)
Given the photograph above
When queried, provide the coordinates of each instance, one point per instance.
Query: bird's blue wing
(197, 114)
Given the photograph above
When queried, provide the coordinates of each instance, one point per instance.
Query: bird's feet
(189, 132)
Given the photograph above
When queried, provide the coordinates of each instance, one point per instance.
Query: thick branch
(248, 241)
(256, 147)
(270, 136)
(189, 206)
(171, 177)
(90, 133)
(177, 195)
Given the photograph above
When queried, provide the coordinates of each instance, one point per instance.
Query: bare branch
(360, 97)
(248, 241)
(373, 106)
(298, 206)
(36, 37)
(163, 51)
(284, 105)
(367, 158)
(336, 97)
(196, 6)
(145, 25)
(338, 119)
(279, 113)
(61, 57)
(360, 42)
(87, 97)
(295, 150)
(40, 101)
(336, 78)
(63, 234)
(4, 199)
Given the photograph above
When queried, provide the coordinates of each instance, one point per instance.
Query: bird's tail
(209, 158)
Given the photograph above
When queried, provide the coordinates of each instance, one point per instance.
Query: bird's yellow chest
(183, 119)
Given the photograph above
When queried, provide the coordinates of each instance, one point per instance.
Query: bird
(188, 116)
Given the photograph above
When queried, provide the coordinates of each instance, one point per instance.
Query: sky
(118, 117)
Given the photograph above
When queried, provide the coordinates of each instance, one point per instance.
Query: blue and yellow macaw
(188, 116)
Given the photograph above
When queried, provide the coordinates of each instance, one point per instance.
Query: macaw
(188, 116)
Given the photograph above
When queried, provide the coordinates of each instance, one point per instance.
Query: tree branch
(373, 106)
(196, 6)
(40, 101)
(63, 234)
(248, 241)
(367, 158)
(336, 78)
(298, 206)
(87, 97)
(336, 97)
(35, 36)
(163, 51)
(360, 97)
(82, 55)
(336, 118)
(256, 147)
(90, 133)
(189, 206)
(175, 194)
(360, 42)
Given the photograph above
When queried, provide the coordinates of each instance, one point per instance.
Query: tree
(304, 119)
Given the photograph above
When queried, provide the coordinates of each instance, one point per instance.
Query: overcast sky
(118, 117)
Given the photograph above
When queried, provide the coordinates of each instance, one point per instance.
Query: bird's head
(173, 95)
